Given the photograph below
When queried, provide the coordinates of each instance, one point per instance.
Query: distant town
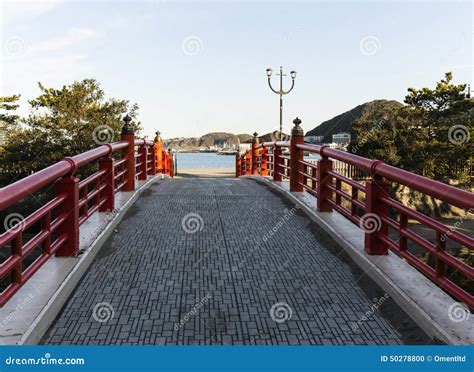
(230, 147)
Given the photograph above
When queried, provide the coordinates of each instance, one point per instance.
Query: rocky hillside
(217, 140)
(272, 137)
(344, 121)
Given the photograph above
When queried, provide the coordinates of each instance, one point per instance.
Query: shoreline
(206, 173)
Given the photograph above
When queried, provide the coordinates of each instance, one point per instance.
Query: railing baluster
(238, 163)
(129, 153)
(254, 154)
(296, 157)
(324, 179)
(276, 163)
(153, 169)
(108, 193)
(375, 189)
(264, 162)
(69, 185)
(143, 156)
(159, 153)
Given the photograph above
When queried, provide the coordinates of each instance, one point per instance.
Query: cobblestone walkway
(225, 261)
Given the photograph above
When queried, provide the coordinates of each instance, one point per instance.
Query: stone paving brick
(252, 249)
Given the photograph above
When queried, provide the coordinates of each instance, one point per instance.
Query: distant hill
(343, 122)
(210, 140)
(269, 137)
(214, 140)
(272, 136)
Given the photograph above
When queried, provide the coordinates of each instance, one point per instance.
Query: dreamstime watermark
(192, 45)
(19, 306)
(109, 216)
(280, 223)
(458, 223)
(190, 314)
(46, 360)
(103, 312)
(14, 222)
(377, 302)
(14, 46)
(103, 134)
(458, 312)
(370, 223)
(370, 45)
(192, 223)
(281, 312)
(459, 134)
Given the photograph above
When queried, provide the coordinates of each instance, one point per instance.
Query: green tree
(444, 117)
(431, 135)
(7, 106)
(64, 122)
(8, 118)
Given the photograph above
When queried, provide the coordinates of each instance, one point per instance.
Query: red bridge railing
(75, 200)
(369, 203)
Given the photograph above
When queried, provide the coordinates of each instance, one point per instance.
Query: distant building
(342, 138)
(314, 139)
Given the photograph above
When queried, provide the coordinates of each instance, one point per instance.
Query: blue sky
(197, 67)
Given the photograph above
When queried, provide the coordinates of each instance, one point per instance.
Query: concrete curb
(45, 318)
(428, 305)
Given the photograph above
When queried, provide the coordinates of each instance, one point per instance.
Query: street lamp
(281, 92)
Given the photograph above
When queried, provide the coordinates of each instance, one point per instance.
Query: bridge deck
(255, 250)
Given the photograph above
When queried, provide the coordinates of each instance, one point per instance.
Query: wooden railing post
(276, 163)
(296, 156)
(171, 161)
(153, 169)
(108, 192)
(159, 153)
(238, 163)
(254, 154)
(143, 156)
(264, 162)
(375, 188)
(164, 158)
(69, 185)
(248, 162)
(323, 192)
(129, 153)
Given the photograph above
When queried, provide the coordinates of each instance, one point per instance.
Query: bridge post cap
(157, 137)
(255, 137)
(297, 130)
(127, 129)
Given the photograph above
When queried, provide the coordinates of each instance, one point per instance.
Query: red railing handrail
(16, 191)
(439, 190)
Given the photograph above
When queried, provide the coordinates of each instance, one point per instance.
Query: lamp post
(281, 92)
